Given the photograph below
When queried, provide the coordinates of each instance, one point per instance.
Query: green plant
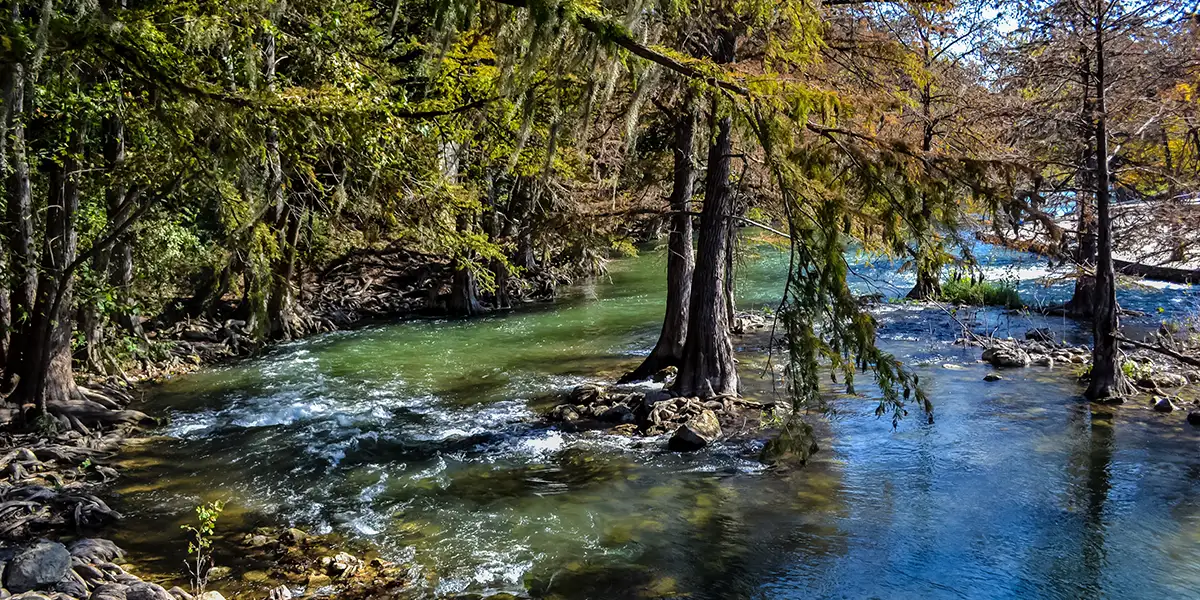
(981, 293)
(200, 544)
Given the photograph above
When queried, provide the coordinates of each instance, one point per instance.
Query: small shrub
(200, 544)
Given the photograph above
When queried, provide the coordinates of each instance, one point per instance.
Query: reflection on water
(419, 438)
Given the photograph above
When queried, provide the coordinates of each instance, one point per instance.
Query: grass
(981, 293)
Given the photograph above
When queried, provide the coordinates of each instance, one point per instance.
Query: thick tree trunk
(18, 232)
(524, 257)
(707, 368)
(681, 261)
(281, 309)
(47, 377)
(464, 290)
(929, 283)
(499, 229)
(1082, 304)
(1107, 381)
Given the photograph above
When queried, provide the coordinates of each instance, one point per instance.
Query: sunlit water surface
(420, 438)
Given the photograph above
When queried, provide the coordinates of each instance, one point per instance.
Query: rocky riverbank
(1162, 381)
(53, 517)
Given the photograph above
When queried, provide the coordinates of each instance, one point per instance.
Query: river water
(419, 438)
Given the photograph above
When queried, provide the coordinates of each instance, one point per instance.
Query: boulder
(1163, 404)
(586, 393)
(1163, 379)
(109, 591)
(992, 377)
(210, 596)
(147, 591)
(180, 593)
(280, 593)
(93, 550)
(617, 413)
(1042, 360)
(698, 432)
(293, 536)
(565, 413)
(1006, 357)
(1194, 417)
(39, 567)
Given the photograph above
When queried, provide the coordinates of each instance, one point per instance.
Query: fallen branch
(1183, 358)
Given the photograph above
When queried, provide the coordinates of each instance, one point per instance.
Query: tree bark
(47, 377)
(1083, 300)
(707, 367)
(464, 290)
(1107, 381)
(668, 351)
(19, 230)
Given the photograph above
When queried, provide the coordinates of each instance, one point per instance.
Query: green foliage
(977, 292)
(200, 538)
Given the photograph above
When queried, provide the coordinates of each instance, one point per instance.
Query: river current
(420, 438)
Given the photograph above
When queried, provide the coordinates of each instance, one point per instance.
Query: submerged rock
(992, 377)
(698, 432)
(1163, 404)
(39, 567)
(1194, 417)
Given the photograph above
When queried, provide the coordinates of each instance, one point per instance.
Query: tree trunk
(707, 367)
(681, 261)
(499, 229)
(929, 276)
(19, 231)
(1082, 304)
(464, 290)
(1107, 381)
(524, 256)
(281, 309)
(47, 377)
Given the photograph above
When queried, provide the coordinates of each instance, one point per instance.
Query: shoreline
(320, 560)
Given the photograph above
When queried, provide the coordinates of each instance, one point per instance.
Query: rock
(210, 596)
(586, 393)
(147, 591)
(293, 536)
(39, 567)
(1042, 360)
(698, 432)
(992, 377)
(93, 550)
(1040, 334)
(1194, 417)
(109, 591)
(617, 413)
(318, 580)
(219, 572)
(280, 593)
(341, 565)
(564, 413)
(665, 374)
(258, 541)
(71, 586)
(1006, 357)
(656, 396)
(953, 367)
(1163, 404)
(1163, 379)
(180, 593)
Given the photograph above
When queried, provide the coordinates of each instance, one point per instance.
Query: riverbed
(420, 438)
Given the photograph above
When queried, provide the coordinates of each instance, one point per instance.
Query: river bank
(423, 442)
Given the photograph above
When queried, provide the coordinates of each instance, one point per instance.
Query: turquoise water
(421, 438)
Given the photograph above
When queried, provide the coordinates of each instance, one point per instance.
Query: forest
(194, 188)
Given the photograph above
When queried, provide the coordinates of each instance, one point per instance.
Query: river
(419, 438)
